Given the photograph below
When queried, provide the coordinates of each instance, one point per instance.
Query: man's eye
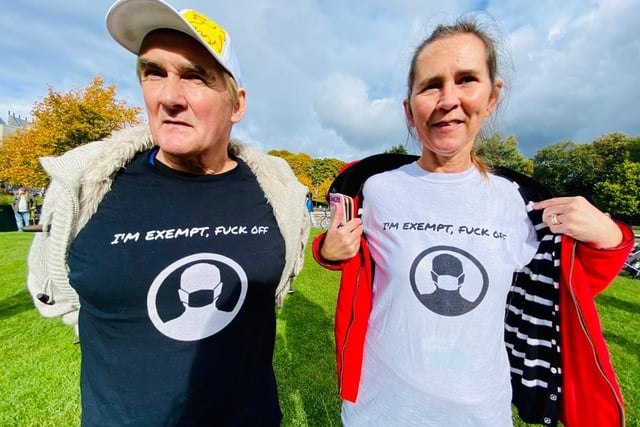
(150, 73)
(195, 78)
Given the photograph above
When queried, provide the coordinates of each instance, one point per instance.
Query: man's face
(188, 106)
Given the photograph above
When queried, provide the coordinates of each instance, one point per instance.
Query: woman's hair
(493, 45)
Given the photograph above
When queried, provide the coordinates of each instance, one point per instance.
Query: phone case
(344, 202)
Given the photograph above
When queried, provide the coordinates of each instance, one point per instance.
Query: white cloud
(575, 74)
(327, 78)
(343, 105)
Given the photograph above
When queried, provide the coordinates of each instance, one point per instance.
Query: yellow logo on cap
(213, 34)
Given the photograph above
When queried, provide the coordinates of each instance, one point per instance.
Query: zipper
(586, 333)
(351, 319)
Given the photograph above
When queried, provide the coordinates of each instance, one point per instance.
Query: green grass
(39, 365)
(619, 308)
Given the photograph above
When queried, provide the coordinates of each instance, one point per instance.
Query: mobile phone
(344, 202)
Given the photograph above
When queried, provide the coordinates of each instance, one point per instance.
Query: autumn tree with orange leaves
(316, 174)
(62, 121)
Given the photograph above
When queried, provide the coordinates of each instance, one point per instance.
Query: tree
(497, 151)
(316, 174)
(306, 181)
(397, 149)
(63, 121)
(567, 168)
(323, 189)
(17, 166)
(322, 173)
(300, 163)
(633, 147)
(612, 150)
(574, 169)
(620, 195)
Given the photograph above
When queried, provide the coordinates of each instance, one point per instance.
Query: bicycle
(325, 221)
(632, 264)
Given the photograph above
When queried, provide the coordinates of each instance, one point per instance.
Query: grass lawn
(40, 366)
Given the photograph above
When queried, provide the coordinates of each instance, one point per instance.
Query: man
(22, 204)
(167, 244)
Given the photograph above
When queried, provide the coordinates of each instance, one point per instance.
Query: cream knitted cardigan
(81, 177)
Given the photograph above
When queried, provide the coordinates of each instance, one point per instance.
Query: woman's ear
(494, 97)
(408, 113)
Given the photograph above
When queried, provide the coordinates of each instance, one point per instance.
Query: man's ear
(240, 107)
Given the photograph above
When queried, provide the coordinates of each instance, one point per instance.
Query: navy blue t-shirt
(176, 275)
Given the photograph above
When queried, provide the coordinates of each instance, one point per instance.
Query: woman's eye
(430, 86)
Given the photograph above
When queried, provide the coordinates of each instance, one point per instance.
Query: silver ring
(554, 219)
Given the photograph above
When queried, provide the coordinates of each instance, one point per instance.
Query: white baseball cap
(129, 21)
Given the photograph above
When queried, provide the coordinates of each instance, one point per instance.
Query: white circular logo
(200, 290)
(448, 281)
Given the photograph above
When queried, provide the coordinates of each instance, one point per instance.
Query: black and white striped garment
(532, 322)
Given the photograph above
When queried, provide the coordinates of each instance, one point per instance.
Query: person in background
(168, 244)
(309, 205)
(22, 205)
(423, 336)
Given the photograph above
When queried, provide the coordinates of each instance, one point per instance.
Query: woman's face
(451, 95)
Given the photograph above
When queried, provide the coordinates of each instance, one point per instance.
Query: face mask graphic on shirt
(455, 284)
(207, 304)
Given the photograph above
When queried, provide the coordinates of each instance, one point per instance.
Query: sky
(328, 77)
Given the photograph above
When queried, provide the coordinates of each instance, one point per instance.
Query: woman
(421, 326)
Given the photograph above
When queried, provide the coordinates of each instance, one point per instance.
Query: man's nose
(172, 95)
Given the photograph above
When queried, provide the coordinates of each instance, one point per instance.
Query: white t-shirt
(445, 248)
(22, 204)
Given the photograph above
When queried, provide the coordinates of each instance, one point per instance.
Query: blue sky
(327, 77)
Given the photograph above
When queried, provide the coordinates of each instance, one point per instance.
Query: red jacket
(588, 392)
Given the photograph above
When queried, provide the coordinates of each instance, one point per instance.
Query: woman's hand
(341, 241)
(576, 217)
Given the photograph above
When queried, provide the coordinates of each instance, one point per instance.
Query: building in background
(12, 124)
